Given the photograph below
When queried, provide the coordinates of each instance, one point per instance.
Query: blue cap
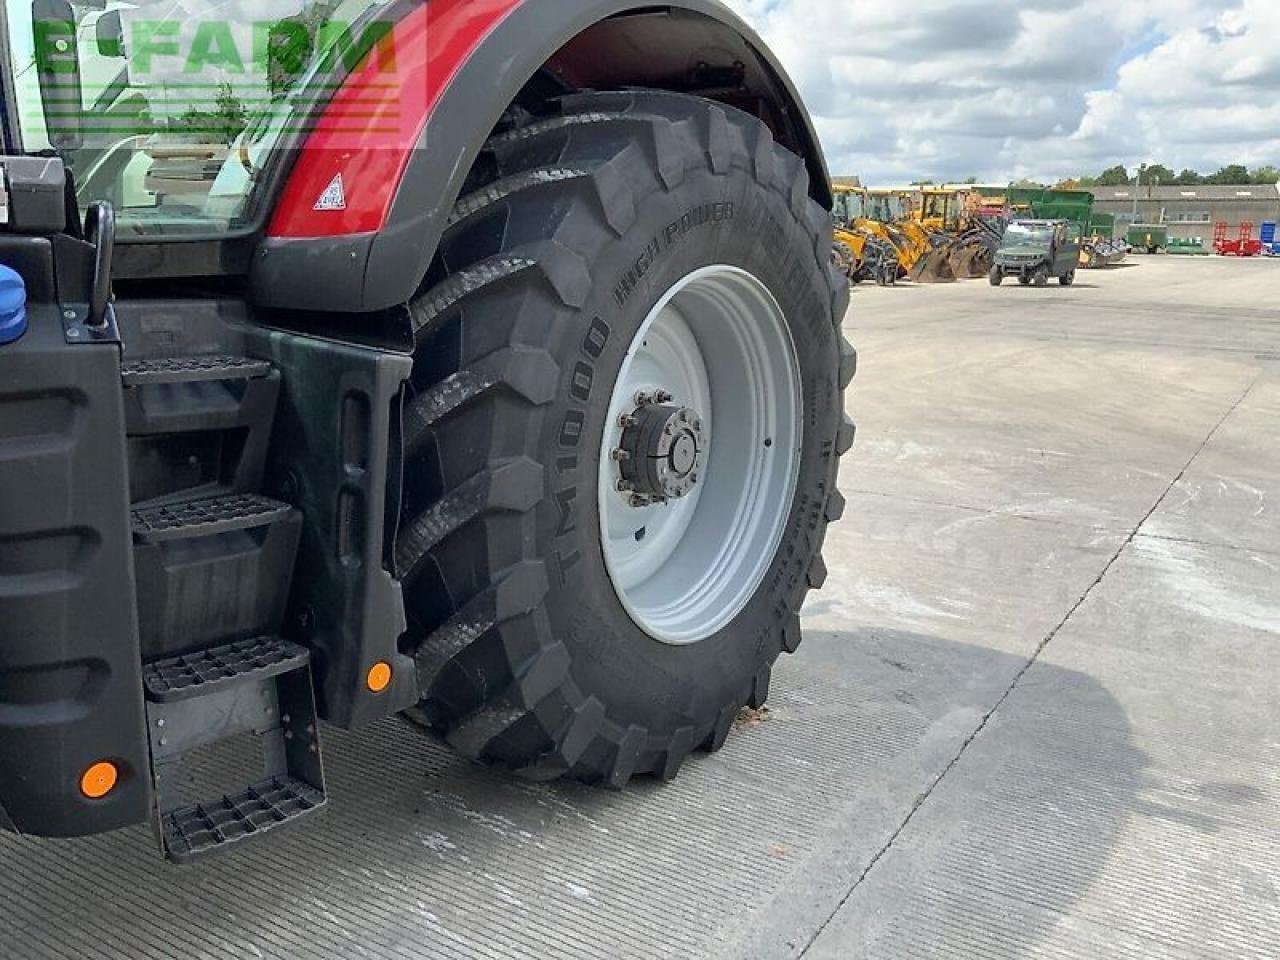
(13, 305)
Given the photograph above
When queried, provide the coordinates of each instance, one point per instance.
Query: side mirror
(109, 33)
(53, 25)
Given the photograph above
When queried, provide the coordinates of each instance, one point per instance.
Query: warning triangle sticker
(334, 196)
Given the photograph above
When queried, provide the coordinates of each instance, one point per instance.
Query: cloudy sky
(1003, 89)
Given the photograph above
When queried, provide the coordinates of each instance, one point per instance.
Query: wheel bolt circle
(661, 450)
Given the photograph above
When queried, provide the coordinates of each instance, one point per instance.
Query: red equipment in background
(1220, 241)
(1244, 245)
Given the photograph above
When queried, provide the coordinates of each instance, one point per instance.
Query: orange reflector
(379, 676)
(99, 780)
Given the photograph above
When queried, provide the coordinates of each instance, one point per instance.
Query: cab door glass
(180, 102)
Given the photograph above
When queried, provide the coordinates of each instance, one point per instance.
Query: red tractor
(472, 360)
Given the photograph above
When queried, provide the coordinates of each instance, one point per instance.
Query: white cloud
(1003, 89)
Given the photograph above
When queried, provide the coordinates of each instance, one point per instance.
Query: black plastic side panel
(155, 259)
(337, 420)
(70, 668)
(313, 273)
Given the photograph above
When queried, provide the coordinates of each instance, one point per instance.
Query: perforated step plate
(140, 373)
(206, 516)
(205, 828)
(206, 671)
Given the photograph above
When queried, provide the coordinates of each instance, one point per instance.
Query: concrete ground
(1035, 714)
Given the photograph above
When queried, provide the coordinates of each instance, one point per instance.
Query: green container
(1046, 204)
(1148, 236)
(1102, 225)
(1187, 246)
(1043, 203)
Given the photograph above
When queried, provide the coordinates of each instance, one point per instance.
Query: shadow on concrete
(1017, 830)
(748, 852)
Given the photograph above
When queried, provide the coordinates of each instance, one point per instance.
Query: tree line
(1154, 174)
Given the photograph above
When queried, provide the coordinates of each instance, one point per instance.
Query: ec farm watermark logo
(107, 74)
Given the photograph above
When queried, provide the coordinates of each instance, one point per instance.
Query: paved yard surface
(1035, 714)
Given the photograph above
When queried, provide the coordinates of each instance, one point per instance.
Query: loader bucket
(966, 261)
(933, 267)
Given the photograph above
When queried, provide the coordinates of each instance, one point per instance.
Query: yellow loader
(950, 217)
(922, 256)
(859, 250)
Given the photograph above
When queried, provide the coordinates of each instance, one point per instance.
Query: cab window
(170, 110)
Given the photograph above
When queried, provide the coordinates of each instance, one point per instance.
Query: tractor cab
(1035, 250)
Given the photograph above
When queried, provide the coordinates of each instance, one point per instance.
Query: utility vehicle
(1035, 250)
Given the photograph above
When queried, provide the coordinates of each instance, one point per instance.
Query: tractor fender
(691, 46)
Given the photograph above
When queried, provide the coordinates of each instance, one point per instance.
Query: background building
(1190, 211)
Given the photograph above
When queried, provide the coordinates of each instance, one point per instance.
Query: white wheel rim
(718, 343)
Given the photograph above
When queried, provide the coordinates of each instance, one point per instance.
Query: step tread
(201, 673)
(206, 516)
(138, 373)
(203, 828)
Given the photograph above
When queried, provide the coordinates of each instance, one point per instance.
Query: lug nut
(619, 454)
(626, 420)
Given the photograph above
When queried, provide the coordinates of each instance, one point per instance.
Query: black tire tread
(537, 701)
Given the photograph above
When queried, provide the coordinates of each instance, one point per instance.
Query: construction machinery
(859, 250)
(923, 257)
(953, 217)
(474, 361)
(869, 243)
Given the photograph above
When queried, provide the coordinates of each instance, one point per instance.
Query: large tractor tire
(622, 446)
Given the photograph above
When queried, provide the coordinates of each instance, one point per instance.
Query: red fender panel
(398, 138)
(363, 139)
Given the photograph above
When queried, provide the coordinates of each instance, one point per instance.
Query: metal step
(206, 671)
(264, 691)
(140, 373)
(206, 516)
(205, 828)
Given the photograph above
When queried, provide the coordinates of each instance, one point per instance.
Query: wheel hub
(661, 450)
(700, 454)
